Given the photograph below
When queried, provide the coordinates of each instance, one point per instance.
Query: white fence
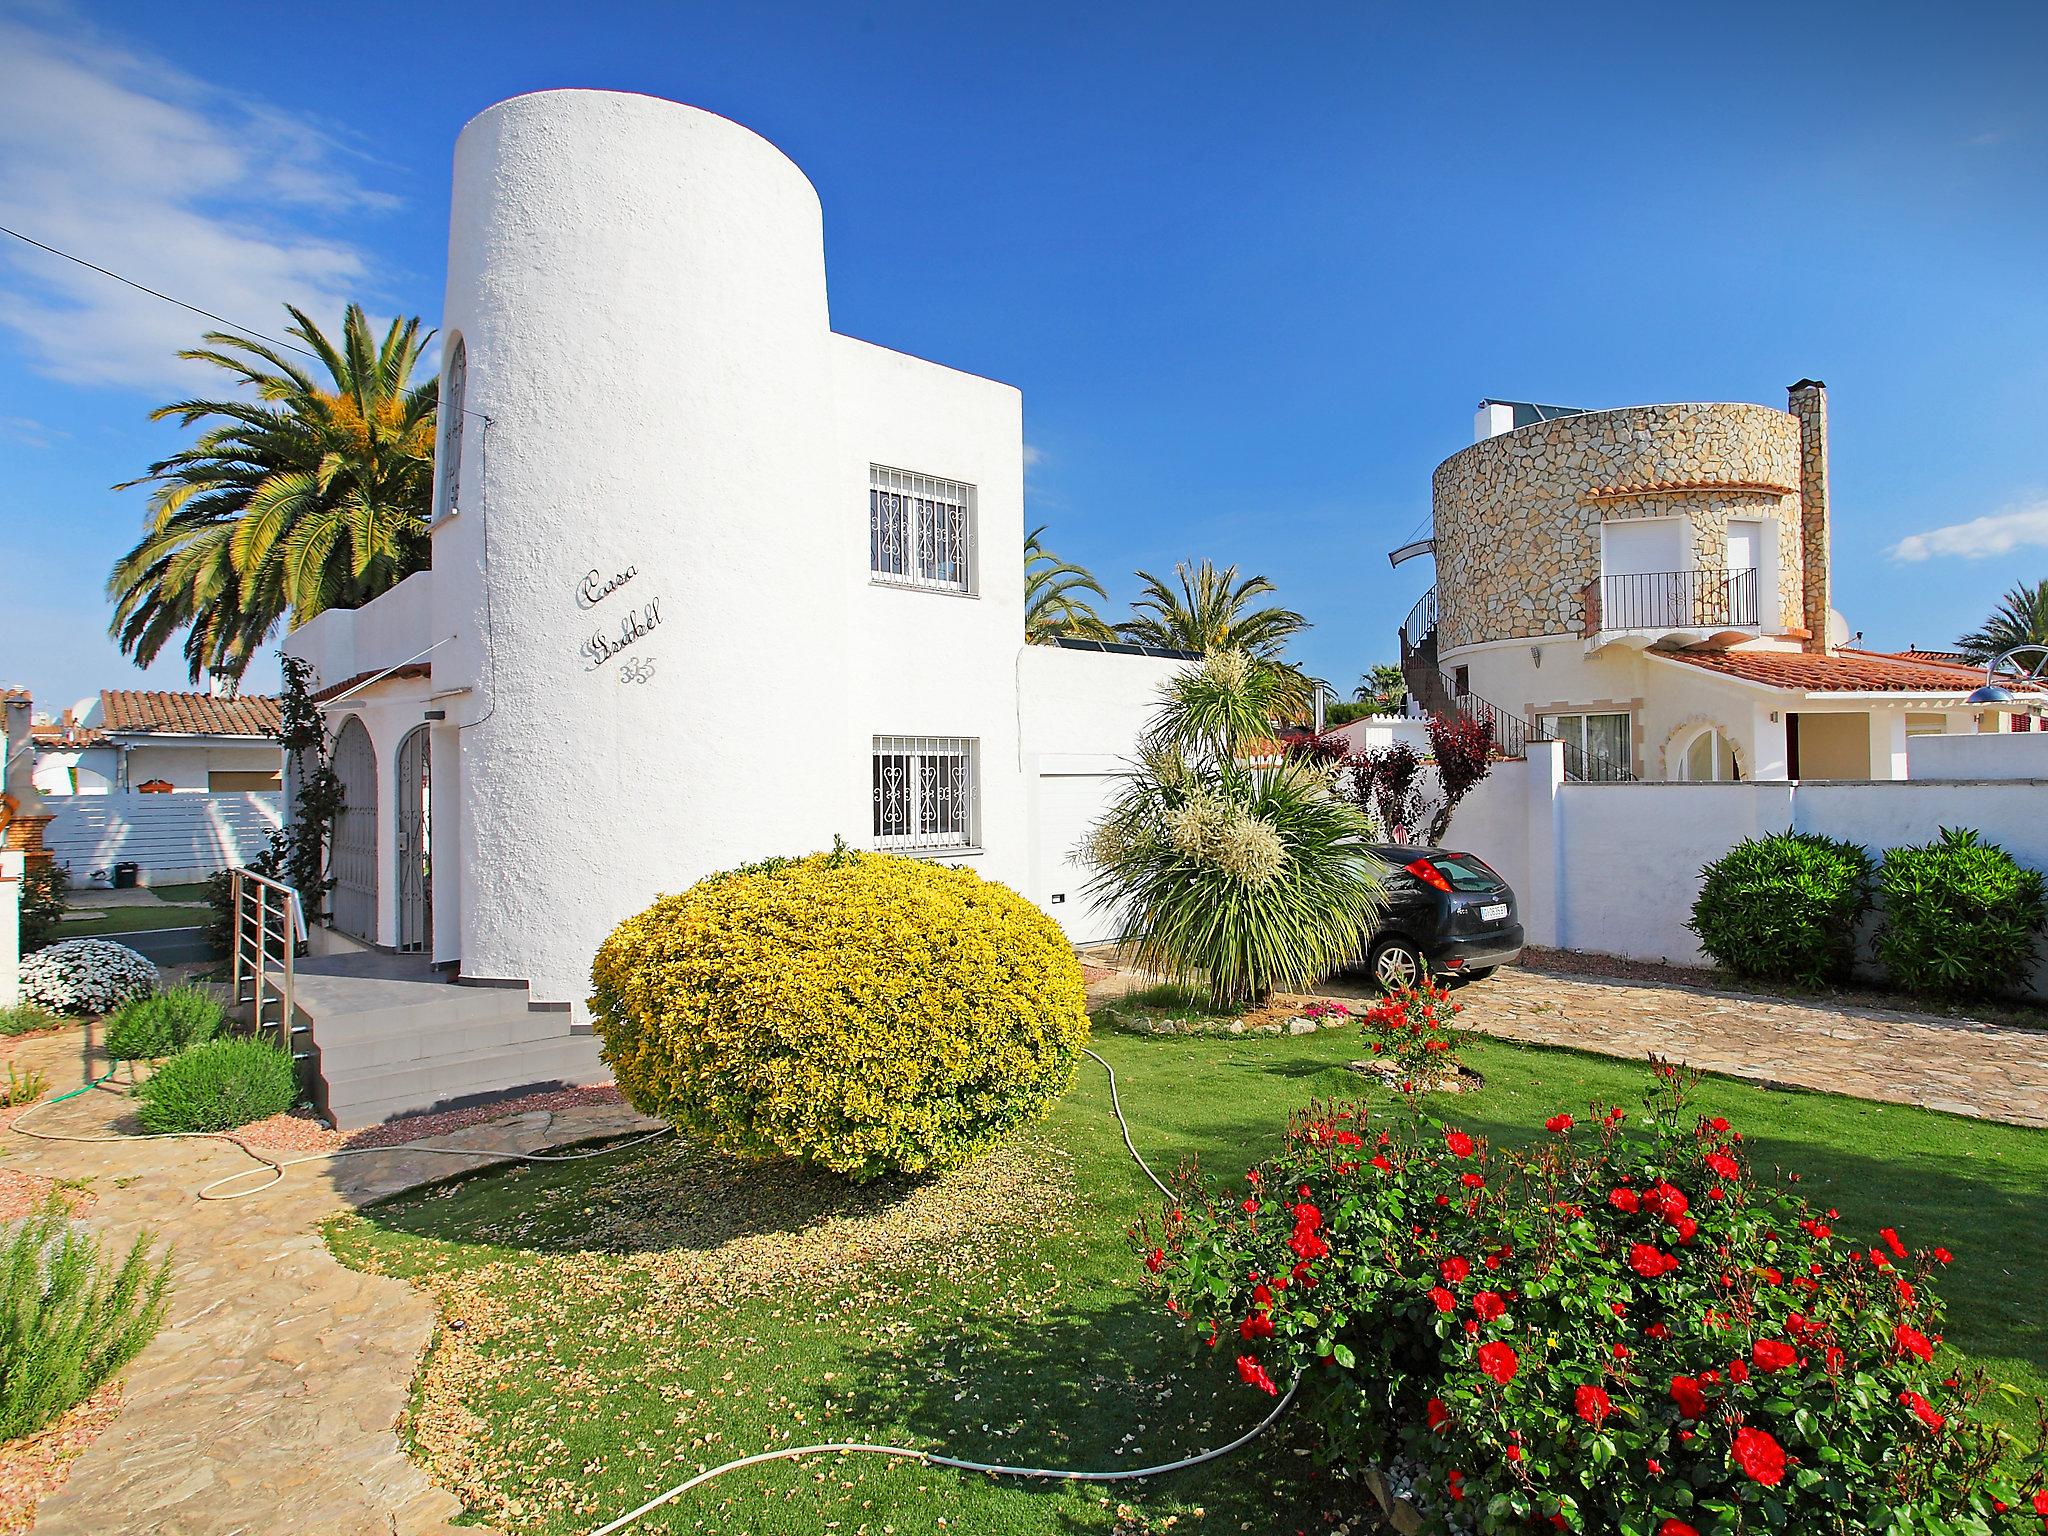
(170, 838)
(1615, 868)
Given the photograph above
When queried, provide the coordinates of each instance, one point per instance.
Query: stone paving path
(1963, 1066)
(270, 1401)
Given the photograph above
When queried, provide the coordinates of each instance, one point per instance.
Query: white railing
(926, 793)
(264, 934)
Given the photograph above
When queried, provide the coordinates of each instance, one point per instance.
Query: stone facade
(1808, 402)
(1518, 516)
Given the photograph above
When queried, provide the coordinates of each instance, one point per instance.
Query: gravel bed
(33, 1468)
(300, 1131)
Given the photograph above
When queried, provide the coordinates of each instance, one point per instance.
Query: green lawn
(131, 920)
(626, 1321)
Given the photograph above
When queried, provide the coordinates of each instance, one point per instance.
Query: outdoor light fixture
(2030, 673)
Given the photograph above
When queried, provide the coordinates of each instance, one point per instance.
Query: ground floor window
(1709, 758)
(926, 792)
(1603, 738)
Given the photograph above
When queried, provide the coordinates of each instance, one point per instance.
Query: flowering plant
(1410, 1029)
(85, 976)
(1604, 1332)
(1323, 1011)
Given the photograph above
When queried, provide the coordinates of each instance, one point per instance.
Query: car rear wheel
(1396, 963)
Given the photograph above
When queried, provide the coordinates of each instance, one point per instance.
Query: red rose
(1922, 1410)
(1692, 1402)
(1557, 1125)
(1676, 1528)
(1911, 1341)
(1624, 1199)
(1499, 1362)
(1489, 1305)
(1592, 1404)
(1472, 1180)
(1437, 1414)
(1253, 1374)
(1891, 1241)
(1724, 1165)
(1459, 1143)
(1257, 1326)
(1761, 1458)
(1455, 1268)
(1773, 1355)
(1445, 1301)
(1156, 1260)
(1650, 1262)
(1380, 1162)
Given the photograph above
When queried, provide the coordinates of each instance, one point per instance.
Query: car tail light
(1427, 873)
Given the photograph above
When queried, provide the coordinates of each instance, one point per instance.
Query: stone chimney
(1808, 401)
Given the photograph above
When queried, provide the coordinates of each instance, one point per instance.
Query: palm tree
(1053, 605)
(1210, 612)
(2022, 619)
(1382, 687)
(312, 495)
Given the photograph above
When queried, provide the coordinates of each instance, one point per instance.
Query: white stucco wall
(1993, 755)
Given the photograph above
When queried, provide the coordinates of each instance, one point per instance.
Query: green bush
(218, 1086)
(866, 1012)
(68, 1320)
(26, 1018)
(1957, 917)
(42, 904)
(162, 1024)
(1784, 907)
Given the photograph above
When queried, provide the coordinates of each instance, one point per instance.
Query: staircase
(386, 1035)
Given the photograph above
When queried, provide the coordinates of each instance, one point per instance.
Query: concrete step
(404, 1009)
(347, 1049)
(357, 1099)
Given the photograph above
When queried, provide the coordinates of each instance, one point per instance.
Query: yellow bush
(866, 1012)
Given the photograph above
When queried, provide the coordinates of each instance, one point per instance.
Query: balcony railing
(1421, 620)
(1671, 600)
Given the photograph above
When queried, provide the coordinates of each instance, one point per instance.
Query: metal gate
(415, 841)
(355, 834)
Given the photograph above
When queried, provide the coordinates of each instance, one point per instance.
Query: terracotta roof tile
(65, 738)
(1943, 658)
(187, 714)
(15, 695)
(1844, 671)
(1671, 487)
(410, 669)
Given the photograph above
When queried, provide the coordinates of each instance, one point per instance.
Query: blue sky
(1251, 266)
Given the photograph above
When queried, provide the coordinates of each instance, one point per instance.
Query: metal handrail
(1671, 600)
(1421, 619)
(264, 935)
(1512, 735)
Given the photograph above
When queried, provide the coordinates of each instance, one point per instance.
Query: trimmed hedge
(1957, 918)
(866, 1012)
(1784, 907)
(218, 1086)
(144, 1028)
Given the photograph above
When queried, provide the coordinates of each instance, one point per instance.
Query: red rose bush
(1619, 1329)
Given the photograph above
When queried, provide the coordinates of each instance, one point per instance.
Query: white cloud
(1980, 538)
(29, 432)
(219, 200)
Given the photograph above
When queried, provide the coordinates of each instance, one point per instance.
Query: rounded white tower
(636, 293)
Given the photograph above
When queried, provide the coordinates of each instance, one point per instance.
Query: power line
(154, 294)
(247, 330)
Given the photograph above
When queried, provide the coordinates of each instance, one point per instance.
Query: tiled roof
(1844, 671)
(187, 714)
(15, 695)
(1944, 658)
(410, 669)
(65, 738)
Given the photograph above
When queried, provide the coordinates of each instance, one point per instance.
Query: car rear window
(1465, 872)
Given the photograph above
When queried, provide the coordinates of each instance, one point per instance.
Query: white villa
(1650, 586)
(710, 580)
(144, 742)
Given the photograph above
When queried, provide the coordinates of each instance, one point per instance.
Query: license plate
(1493, 911)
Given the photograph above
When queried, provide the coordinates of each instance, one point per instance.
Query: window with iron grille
(454, 396)
(920, 530)
(926, 793)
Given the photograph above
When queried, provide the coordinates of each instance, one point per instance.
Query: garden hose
(994, 1469)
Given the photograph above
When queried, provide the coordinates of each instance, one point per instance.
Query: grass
(190, 893)
(626, 1321)
(27, 1018)
(114, 920)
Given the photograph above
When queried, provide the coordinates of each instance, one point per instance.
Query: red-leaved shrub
(1619, 1329)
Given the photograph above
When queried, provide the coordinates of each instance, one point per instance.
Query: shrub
(1957, 917)
(68, 1320)
(1411, 1029)
(1603, 1332)
(1784, 907)
(144, 1028)
(865, 1012)
(1224, 865)
(218, 1086)
(85, 976)
(26, 1018)
(24, 1087)
(42, 903)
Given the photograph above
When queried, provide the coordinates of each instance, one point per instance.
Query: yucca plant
(1225, 861)
(68, 1319)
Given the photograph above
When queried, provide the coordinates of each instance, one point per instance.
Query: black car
(1446, 911)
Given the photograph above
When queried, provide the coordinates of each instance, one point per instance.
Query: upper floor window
(920, 530)
(454, 394)
(926, 792)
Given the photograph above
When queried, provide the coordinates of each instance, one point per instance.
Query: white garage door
(1069, 805)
